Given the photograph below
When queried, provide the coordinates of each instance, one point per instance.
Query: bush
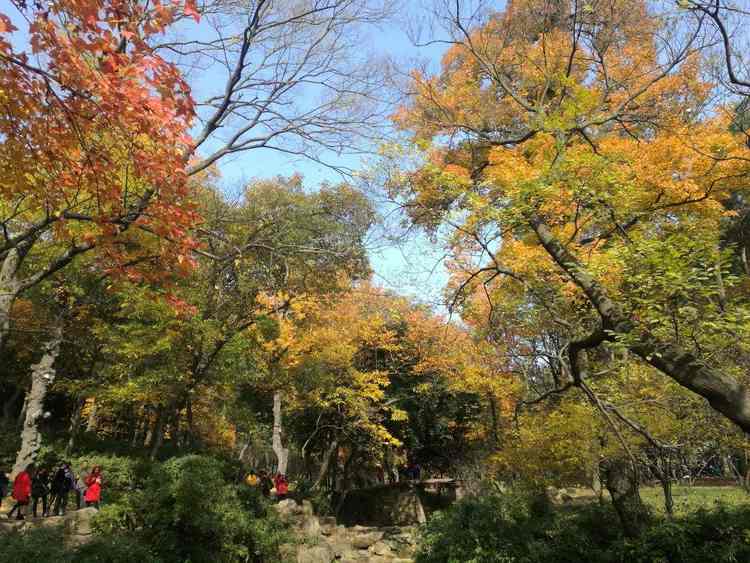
(517, 528)
(120, 475)
(190, 511)
(45, 545)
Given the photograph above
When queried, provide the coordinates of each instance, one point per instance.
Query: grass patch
(689, 499)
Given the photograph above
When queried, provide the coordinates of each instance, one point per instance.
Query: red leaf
(192, 10)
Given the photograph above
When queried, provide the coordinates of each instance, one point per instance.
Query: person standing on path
(94, 491)
(62, 483)
(40, 491)
(21, 492)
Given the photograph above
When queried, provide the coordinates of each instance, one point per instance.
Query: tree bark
(622, 485)
(92, 422)
(326, 463)
(42, 376)
(22, 414)
(9, 289)
(139, 431)
(282, 453)
(723, 392)
(158, 434)
(75, 426)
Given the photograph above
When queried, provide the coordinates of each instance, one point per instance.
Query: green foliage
(191, 513)
(518, 528)
(45, 545)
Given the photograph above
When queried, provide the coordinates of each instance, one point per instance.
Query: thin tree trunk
(189, 429)
(42, 376)
(282, 453)
(75, 426)
(138, 429)
(158, 434)
(622, 485)
(174, 431)
(332, 448)
(92, 422)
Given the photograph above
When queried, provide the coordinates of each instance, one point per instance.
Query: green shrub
(120, 475)
(517, 528)
(45, 545)
(191, 512)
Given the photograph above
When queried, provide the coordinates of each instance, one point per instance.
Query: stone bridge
(397, 504)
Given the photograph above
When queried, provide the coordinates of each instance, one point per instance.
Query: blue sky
(414, 266)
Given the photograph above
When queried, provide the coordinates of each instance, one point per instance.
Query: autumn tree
(557, 136)
(94, 133)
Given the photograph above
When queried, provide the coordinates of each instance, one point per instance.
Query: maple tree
(94, 135)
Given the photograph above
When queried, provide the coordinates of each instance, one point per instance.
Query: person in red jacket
(282, 486)
(21, 492)
(93, 487)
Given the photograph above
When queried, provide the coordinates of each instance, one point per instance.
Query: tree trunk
(9, 288)
(92, 422)
(158, 434)
(326, 463)
(22, 414)
(282, 453)
(10, 403)
(189, 437)
(75, 426)
(42, 376)
(141, 421)
(722, 391)
(622, 485)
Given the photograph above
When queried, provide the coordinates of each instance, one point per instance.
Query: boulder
(78, 522)
(288, 510)
(365, 540)
(310, 525)
(316, 554)
(381, 548)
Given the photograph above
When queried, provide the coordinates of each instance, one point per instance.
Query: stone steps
(327, 542)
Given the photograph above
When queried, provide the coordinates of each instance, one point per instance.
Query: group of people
(33, 486)
(266, 483)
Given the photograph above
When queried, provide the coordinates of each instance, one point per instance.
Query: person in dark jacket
(39, 491)
(62, 483)
(4, 482)
(266, 484)
(21, 492)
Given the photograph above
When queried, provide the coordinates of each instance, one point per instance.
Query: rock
(288, 510)
(51, 521)
(12, 525)
(310, 526)
(363, 541)
(78, 522)
(317, 554)
(307, 508)
(381, 548)
(350, 557)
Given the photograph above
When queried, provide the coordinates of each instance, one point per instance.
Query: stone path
(322, 540)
